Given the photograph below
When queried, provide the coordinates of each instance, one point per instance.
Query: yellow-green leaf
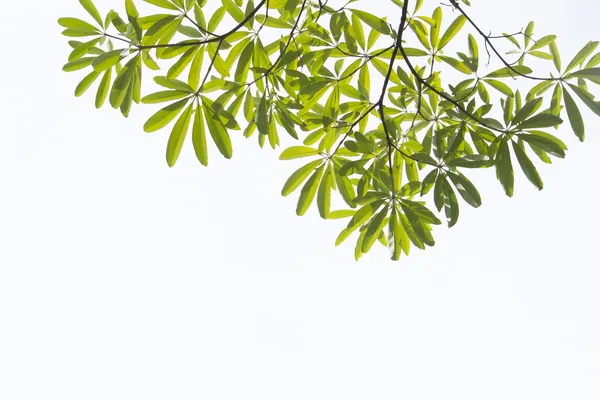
(178, 135)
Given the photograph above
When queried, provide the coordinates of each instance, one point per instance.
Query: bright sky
(123, 279)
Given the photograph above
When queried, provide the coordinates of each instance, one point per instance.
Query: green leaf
(525, 112)
(164, 96)
(299, 176)
(374, 22)
(196, 69)
(86, 83)
(456, 64)
(575, 118)
(543, 42)
(419, 228)
(358, 31)
(183, 61)
(132, 16)
(190, 32)
(358, 249)
(149, 61)
(483, 92)
(587, 98)
(555, 55)
(545, 142)
(504, 169)
(117, 22)
(592, 62)
(500, 86)
(466, 189)
(121, 85)
(77, 24)
(429, 182)
(364, 82)
(107, 60)
(451, 207)
(83, 49)
(297, 152)
(78, 64)
(324, 194)
(199, 137)
(199, 17)
(243, 65)
(470, 161)
(410, 189)
(234, 10)
(528, 33)
(590, 73)
(216, 18)
(540, 54)
(424, 158)
(396, 236)
(339, 214)
(331, 107)
(438, 191)
(131, 9)
(374, 228)
(125, 104)
(262, 116)
(173, 84)
(507, 72)
(452, 30)
(91, 9)
(163, 4)
(345, 187)
(473, 51)
(436, 24)
(217, 131)
(555, 102)
(527, 166)
(308, 192)
(582, 55)
(420, 31)
(165, 115)
(79, 33)
(178, 135)
(102, 92)
(273, 135)
(542, 120)
(422, 212)
(273, 22)
(360, 217)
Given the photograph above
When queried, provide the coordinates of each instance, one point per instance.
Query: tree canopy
(389, 111)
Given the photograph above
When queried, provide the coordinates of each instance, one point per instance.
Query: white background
(123, 279)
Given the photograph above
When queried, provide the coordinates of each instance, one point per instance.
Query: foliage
(388, 150)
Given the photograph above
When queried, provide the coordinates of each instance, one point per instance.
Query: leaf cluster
(388, 118)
